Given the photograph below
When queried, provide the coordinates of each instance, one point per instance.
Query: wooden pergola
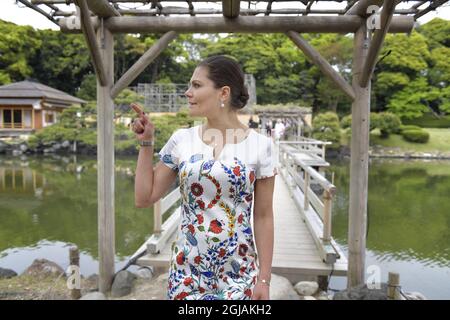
(99, 20)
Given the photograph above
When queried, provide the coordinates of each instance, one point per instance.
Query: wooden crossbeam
(377, 42)
(244, 24)
(360, 7)
(322, 64)
(147, 58)
(231, 8)
(89, 35)
(431, 7)
(39, 10)
(102, 8)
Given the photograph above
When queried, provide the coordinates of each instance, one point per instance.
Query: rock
(144, 273)
(23, 147)
(306, 288)
(94, 296)
(414, 296)
(44, 267)
(91, 282)
(123, 283)
(361, 292)
(65, 144)
(16, 153)
(282, 289)
(7, 273)
(309, 298)
(323, 296)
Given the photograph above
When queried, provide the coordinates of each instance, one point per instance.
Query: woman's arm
(150, 183)
(263, 224)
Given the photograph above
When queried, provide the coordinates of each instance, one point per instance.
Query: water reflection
(408, 218)
(54, 199)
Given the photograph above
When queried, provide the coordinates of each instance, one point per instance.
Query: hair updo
(224, 71)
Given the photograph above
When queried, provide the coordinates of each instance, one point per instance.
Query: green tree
(18, 44)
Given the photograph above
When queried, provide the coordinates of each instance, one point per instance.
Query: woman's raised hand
(142, 125)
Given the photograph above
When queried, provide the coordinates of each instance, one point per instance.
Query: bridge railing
(316, 211)
(308, 145)
(163, 231)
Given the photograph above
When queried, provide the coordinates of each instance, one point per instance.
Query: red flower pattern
(180, 258)
(243, 248)
(181, 296)
(187, 281)
(215, 226)
(196, 189)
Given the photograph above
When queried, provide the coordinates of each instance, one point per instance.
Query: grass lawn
(439, 141)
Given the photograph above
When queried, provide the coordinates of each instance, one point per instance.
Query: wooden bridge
(303, 248)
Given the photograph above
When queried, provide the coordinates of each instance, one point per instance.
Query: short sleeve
(267, 159)
(169, 153)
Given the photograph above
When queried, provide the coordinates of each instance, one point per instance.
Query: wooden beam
(231, 8)
(143, 62)
(105, 164)
(244, 24)
(102, 8)
(377, 42)
(360, 7)
(431, 7)
(359, 166)
(322, 64)
(89, 35)
(39, 10)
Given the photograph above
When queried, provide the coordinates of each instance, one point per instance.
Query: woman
(222, 165)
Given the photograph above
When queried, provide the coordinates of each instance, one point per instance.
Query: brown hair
(224, 71)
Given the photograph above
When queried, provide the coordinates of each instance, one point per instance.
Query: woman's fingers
(137, 126)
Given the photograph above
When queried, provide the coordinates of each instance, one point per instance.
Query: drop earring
(222, 105)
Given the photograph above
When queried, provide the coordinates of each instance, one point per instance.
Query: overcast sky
(21, 15)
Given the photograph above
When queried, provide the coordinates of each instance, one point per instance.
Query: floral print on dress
(214, 256)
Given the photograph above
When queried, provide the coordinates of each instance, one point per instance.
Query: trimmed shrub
(409, 127)
(326, 128)
(346, 122)
(417, 136)
(388, 123)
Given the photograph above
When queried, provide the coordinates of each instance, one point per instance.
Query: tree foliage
(411, 80)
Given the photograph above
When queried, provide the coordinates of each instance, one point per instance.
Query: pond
(49, 203)
(408, 222)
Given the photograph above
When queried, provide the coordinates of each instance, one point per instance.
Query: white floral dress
(214, 256)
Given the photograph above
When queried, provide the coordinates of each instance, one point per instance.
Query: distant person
(269, 128)
(279, 129)
(252, 124)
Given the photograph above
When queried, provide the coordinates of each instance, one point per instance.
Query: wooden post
(377, 42)
(358, 165)
(231, 8)
(157, 217)
(393, 290)
(105, 163)
(327, 202)
(93, 45)
(74, 260)
(306, 204)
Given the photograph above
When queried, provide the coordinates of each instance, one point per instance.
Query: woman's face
(204, 100)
